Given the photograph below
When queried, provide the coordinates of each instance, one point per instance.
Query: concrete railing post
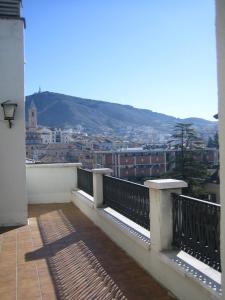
(161, 226)
(98, 185)
(76, 165)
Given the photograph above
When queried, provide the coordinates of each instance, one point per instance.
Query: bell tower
(32, 116)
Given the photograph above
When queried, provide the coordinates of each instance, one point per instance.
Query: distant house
(212, 186)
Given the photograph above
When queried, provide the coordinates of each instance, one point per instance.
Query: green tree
(187, 163)
(213, 142)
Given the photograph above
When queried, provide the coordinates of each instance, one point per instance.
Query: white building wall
(50, 183)
(220, 32)
(46, 137)
(66, 137)
(13, 203)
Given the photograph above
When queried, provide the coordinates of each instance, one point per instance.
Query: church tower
(32, 116)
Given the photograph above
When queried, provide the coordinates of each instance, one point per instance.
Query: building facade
(132, 163)
(138, 163)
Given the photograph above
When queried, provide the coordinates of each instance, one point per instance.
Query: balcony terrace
(61, 254)
(82, 243)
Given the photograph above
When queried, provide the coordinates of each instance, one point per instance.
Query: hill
(58, 110)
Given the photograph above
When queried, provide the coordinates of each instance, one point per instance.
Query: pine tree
(213, 142)
(187, 162)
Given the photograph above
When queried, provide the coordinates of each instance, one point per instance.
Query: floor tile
(61, 254)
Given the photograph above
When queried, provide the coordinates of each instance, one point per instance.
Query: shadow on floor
(84, 263)
(8, 228)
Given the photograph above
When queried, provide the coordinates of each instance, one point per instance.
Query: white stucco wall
(13, 203)
(50, 183)
(220, 32)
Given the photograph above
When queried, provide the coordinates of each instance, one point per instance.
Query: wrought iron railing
(85, 181)
(196, 229)
(128, 198)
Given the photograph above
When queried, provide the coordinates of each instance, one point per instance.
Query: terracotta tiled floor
(62, 255)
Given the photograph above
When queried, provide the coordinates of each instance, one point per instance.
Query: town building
(45, 135)
(46, 144)
(132, 162)
(136, 163)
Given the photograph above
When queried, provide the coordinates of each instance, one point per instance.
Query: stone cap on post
(161, 215)
(78, 165)
(55, 165)
(165, 184)
(105, 171)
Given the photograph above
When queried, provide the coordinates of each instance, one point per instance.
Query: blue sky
(153, 54)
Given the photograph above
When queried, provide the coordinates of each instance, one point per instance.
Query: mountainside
(58, 110)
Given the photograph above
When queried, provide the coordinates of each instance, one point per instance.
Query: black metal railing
(85, 181)
(196, 229)
(128, 198)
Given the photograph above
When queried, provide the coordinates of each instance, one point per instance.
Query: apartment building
(138, 163)
(132, 162)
